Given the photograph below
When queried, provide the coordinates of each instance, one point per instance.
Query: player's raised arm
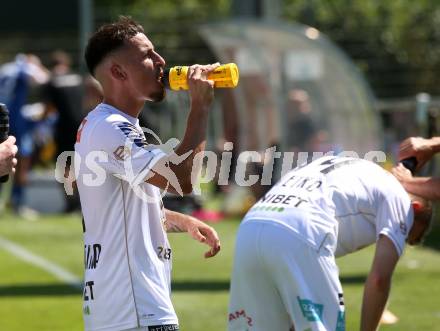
(427, 187)
(181, 161)
(421, 148)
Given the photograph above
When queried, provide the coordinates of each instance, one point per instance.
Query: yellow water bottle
(224, 76)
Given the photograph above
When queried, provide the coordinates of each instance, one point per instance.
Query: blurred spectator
(92, 93)
(302, 128)
(423, 150)
(16, 79)
(69, 96)
(63, 94)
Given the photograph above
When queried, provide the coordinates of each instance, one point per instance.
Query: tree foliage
(396, 42)
(198, 9)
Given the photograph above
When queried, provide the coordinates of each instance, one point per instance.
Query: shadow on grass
(66, 290)
(39, 290)
(187, 285)
(353, 279)
(223, 285)
(200, 285)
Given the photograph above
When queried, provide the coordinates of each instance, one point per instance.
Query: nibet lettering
(283, 199)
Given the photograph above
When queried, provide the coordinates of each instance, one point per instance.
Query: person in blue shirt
(16, 80)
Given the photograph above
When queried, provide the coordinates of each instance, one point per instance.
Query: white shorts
(279, 281)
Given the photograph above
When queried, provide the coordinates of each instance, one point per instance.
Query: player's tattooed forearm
(171, 227)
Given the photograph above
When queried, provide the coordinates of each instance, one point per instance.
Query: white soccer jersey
(369, 201)
(352, 198)
(301, 202)
(127, 255)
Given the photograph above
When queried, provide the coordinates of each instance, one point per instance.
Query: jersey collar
(133, 120)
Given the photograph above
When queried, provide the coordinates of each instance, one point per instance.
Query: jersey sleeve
(395, 215)
(123, 151)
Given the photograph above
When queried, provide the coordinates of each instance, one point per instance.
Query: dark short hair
(108, 38)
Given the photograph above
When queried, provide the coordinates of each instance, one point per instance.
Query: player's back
(368, 202)
(301, 202)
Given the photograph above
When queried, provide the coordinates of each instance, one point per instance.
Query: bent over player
(284, 273)
(126, 251)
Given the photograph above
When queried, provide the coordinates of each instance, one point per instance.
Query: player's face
(145, 69)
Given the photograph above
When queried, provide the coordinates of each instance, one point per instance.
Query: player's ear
(117, 72)
(417, 205)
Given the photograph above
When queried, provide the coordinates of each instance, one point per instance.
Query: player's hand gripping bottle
(225, 76)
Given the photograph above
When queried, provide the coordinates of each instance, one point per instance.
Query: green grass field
(33, 299)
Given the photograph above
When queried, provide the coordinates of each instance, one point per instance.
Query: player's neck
(128, 106)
